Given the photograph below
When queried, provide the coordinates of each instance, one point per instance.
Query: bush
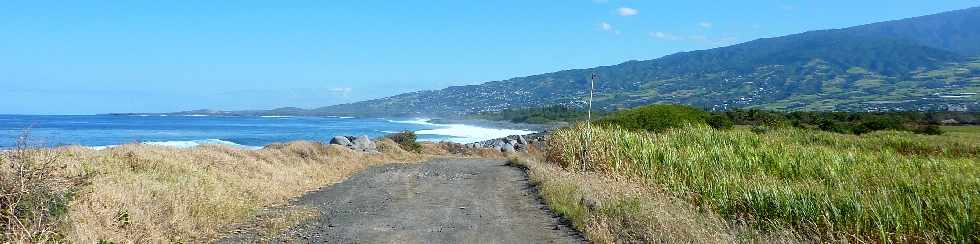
(406, 140)
(720, 122)
(34, 194)
(656, 118)
(929, 130)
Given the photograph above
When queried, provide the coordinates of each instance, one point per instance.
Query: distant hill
(923, 63)
(956, 31)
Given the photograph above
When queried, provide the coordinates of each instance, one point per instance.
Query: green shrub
(656, 118)
(720, 122)
(406, 140)
(879, 123)
(541, 115)
(929, 130)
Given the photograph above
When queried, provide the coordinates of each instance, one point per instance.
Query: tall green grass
(895, 186)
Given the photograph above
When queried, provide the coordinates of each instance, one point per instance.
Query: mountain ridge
(919, 63)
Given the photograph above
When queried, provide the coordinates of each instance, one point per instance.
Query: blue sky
(85, 57)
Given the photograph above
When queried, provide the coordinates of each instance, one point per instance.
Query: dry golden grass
(143, 193)
(459, 150)
(35, 189)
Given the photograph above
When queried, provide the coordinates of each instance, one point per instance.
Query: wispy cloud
(706, 24)
(665, 36)
(626, 11)
(341, 89)
(605, 26)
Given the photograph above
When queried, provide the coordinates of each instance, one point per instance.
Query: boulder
(508, 148)
(498, 143)
(521, 140)
(340, 140)
(364, 144)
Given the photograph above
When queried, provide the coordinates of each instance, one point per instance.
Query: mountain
(956, 31)
(923, 63)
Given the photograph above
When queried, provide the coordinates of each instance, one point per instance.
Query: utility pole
(585, 143)
(591, 91)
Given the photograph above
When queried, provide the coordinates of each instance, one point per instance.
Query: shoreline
(494, 124)
(433, 130)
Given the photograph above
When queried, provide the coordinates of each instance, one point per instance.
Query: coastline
(494, 124)
(245, 132)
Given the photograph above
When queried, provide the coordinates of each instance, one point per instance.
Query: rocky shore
(359, 143)
(513, 143)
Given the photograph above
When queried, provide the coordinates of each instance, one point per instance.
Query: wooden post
(588, 124)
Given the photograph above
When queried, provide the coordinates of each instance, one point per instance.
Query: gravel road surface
(442, 201)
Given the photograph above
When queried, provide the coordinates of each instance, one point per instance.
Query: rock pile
(516, 143)
(360, 143)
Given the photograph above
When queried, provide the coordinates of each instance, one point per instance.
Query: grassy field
(819, 186)
(968, 133)
(151, 194)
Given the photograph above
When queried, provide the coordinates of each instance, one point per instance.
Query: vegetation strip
(889, 185)
(142, 193)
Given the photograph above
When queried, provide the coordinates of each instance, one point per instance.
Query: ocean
(252, 132)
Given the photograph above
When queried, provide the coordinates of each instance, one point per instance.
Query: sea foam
(462, 133)
(186, 144)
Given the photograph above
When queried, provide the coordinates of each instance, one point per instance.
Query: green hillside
(876, 67)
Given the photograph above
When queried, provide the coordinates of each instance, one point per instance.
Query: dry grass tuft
(459, 150)
(35, 188)
(144, 193)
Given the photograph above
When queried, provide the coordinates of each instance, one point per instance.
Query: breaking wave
(461, 133)
(187, 144)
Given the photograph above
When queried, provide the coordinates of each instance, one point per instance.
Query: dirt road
(443, 201)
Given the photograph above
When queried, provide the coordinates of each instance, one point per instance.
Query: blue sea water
(248, 132)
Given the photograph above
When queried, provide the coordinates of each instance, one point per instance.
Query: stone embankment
(513, 143)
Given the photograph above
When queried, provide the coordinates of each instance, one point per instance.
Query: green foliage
(885, 186)
(851, 122)
(538, 115)
(406, 140)
(656, 118)
(721, 122)
(929, 130)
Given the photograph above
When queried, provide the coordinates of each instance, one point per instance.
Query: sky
(88, 57)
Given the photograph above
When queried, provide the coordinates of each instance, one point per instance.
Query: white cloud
(706, 24)
(625, 11)
(605, 26)
(664, 36)
(340, 89)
